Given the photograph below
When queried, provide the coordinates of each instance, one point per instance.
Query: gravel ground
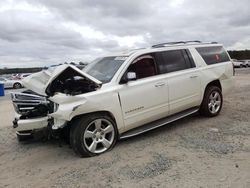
(192, 152)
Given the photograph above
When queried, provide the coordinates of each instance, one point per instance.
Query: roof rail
(131, 51)
(180, 42)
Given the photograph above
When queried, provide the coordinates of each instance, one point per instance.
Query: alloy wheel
(214, 103)
(99, 135)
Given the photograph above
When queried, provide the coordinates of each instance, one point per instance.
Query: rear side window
(174, 60)
(213, 55)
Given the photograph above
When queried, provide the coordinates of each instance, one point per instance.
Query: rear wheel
(93, 134)
(212, 102)
(17, 85)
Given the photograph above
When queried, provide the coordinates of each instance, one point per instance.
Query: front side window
(174, 60)
(143, 67)
(105, 68)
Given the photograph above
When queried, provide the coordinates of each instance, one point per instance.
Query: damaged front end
(30, 105)
(31, 113)
(34, 109)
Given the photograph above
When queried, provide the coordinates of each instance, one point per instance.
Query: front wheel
(212, 102)
(93, 134)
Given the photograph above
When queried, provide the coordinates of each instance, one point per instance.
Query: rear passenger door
(183, 79)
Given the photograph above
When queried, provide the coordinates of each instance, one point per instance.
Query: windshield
(105, 68)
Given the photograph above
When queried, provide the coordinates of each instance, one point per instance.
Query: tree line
(239, 54)
(80, 65)
(20, 70)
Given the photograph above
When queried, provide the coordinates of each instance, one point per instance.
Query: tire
(23, 138)
(17, 85)
(93, 134)
(212, 102)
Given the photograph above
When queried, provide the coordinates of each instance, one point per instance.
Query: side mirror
(131, 76)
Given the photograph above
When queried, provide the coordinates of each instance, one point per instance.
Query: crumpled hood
(39, 82)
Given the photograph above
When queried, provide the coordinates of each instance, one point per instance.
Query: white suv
(125, 94)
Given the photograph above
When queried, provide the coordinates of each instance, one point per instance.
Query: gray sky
(45, 32)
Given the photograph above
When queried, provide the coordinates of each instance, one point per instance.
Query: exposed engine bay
(70, 82)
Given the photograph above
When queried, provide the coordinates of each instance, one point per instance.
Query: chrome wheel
(214, 104)
(99, 135)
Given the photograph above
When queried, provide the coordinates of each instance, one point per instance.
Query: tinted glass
(174, 60)
(105, 68)
(143, 68)
(213, 55)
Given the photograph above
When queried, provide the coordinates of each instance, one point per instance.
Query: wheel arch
(103, 112)
(214, 83)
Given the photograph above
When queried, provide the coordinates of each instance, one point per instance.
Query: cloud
(44, 32)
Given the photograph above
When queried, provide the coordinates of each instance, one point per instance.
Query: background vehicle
(22, 76)
(237, 63)
(125, 94)
(9, 83)
(246, 63)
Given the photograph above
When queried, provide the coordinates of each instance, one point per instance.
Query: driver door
(146, 98)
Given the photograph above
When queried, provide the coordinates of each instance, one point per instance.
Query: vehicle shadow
(160, 131)
(57, 144)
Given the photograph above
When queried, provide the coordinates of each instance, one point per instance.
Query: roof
(158, 47)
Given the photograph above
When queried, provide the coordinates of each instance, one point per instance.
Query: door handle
(160, 84)
(193, 76)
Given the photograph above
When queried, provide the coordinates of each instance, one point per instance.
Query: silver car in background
(9, 83)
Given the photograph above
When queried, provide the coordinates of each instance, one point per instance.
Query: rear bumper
(30, 124)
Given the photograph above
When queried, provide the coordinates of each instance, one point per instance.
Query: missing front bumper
(30, 124)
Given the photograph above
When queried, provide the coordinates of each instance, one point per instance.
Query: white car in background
(246, 63)
(237, 63)
(9, 83)
(25, 75)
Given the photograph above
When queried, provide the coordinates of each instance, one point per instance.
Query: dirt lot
(192, 152)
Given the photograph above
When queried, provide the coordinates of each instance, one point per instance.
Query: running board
(158, 123)
(23, 134)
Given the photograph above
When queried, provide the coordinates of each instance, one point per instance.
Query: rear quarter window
(213, 55)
